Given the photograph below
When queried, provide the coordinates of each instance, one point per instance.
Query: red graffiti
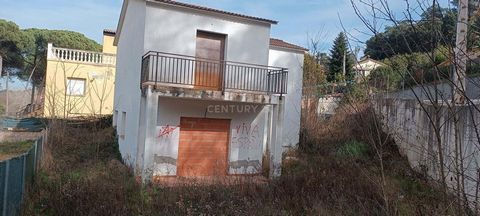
(167, 131)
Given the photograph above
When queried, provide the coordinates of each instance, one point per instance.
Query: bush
(385, 79)
(353, 149)
(409, 70)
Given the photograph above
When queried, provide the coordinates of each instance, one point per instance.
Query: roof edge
(120, 22)
(275, 42)
(213, 10)
(109, 32)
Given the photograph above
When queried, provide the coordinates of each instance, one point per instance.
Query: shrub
(353, 149)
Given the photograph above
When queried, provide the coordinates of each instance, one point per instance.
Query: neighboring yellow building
(80, 83)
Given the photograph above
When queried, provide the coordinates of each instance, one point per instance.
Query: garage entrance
(203, 147)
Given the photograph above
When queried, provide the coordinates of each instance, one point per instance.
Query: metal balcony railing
(167, 69)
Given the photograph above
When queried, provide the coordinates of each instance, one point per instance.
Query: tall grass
(83, 176)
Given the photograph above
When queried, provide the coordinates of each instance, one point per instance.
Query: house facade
(80, 83)
(203, 92)
(365, 66)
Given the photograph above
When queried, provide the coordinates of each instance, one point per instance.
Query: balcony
(80, 56)
(165, 70)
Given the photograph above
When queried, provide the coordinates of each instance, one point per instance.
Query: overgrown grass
(335, 174)
(12, 149)
(353, 149)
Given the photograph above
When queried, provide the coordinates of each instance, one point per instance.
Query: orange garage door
(203, 147)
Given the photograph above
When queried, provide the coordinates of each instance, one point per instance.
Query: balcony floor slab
(201, 94)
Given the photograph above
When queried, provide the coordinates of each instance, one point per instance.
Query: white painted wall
(293, 60)
(173, 30)
(127, 79)
(151, 26)
(365, 67)
(247, 137)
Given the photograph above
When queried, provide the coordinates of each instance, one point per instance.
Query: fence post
(23, 175)
(40, 153)
(5, 191)
(35, 156)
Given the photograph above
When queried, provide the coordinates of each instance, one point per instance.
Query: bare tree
(440, 110)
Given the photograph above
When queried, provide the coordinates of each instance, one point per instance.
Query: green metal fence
(23, 124)
(15, 175)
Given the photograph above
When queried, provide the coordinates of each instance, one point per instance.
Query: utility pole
(459, 90)
(460, 60)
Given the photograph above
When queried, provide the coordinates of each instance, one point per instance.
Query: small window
(76, 86)
(122, 125)
(114, 118)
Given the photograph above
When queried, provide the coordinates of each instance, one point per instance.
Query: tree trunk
(32, 99)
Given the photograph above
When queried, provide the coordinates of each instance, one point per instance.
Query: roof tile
(109, 31)
(176, 3)
(280, 43)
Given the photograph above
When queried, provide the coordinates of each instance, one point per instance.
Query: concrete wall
(328, 105)
(130, 49)
(410, 127)
(173, 30)
(293, 60)
(444, 88)
(247, 134)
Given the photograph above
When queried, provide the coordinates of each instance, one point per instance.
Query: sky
(299, 20)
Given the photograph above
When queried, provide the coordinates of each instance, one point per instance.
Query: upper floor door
(209, 66)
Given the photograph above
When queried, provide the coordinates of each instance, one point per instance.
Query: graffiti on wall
(166, 131)
(246, 136)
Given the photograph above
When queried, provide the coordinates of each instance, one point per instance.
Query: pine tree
(338, 52)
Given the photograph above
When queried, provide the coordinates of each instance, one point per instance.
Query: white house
(365, 66)
(203, 92)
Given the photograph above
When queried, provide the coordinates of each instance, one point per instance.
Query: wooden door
(203, 147)
(209, 66)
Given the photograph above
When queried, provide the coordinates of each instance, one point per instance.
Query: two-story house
(203, 92)
(80, 83)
